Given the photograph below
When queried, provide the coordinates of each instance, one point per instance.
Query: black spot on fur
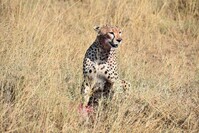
(102, 67)
(85, 72)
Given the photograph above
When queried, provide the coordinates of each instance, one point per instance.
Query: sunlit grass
(42, 45)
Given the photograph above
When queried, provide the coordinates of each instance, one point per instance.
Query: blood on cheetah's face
(109, 36)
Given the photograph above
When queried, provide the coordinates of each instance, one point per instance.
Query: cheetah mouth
(113, 45)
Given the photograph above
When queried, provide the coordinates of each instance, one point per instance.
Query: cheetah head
(109, 36)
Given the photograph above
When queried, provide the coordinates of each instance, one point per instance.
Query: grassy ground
(42, 45)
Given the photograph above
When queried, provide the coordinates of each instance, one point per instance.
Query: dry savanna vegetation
(42, 45)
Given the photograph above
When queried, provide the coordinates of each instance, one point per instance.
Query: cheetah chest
(106, 69)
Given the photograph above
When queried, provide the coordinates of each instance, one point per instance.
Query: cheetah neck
(105, 54)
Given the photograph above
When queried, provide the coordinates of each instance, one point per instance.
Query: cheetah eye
(120, 32)
(111, 33)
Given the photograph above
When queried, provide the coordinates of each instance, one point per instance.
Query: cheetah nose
(119, 40)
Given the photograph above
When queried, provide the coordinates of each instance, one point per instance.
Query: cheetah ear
(97, 28)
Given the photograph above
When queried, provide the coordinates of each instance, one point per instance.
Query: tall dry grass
(42, 45)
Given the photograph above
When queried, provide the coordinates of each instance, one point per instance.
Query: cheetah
(100, 67)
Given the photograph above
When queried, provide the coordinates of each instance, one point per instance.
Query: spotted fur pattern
(100, 67)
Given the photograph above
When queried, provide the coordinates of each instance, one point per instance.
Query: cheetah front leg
(87, 89)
